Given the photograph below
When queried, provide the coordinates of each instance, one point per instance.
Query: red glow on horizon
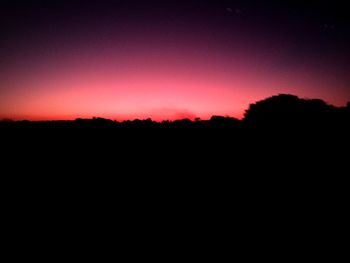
(161, 84)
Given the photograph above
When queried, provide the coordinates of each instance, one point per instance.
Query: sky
(167, 59)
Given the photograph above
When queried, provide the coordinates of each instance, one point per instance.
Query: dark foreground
(282, 143)
(281, 133)
(279, 175)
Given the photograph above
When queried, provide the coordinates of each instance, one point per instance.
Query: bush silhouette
(289, 110)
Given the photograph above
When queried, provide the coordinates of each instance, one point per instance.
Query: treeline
(280, 111)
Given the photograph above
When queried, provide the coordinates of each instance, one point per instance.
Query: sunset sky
(167, 59)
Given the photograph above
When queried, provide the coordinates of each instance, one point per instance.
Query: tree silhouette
(289, 110)
(281, 111)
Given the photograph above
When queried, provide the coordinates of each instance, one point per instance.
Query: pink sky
(170, 81)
